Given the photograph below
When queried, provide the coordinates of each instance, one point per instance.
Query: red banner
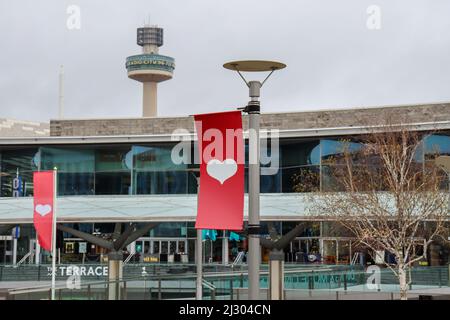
(43, 207)
(222, 159)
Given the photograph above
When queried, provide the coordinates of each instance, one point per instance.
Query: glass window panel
(344, 252)
(192, 183)
(335, 229)
(297, 153)
(287, 226)
(16, 171)
(155, 158)
(73, 183)
(436, 145)
(113, 158)
(113, 183)
(329, 179)
(21, 159)
(67, 159)
(163, 182)
(164, 247)
(301, 179)
(155, 247)
(191, 233)
(270, 183)
(172, 247)
(181, 247)
(334, 149)
(168, 229)
(308, 228)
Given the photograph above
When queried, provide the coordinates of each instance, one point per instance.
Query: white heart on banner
(221, 170)
(43, 209)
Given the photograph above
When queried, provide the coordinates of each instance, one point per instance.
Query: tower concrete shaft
(149, 99)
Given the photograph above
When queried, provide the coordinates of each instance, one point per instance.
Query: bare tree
(387, 196)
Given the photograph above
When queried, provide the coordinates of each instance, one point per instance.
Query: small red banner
(43, 207)
(222, 160)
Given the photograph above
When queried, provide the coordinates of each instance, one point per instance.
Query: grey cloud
(333, 59)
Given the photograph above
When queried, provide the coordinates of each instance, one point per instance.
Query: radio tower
(150, 67)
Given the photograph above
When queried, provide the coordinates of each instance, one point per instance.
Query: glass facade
(304, 165)
(119, 169)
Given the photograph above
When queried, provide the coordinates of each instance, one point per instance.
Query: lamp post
(198, 246)
(253, 110)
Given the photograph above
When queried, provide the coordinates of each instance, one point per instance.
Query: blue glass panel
(118, 182)
(17, 164)
(113, 158)
(296, 152)
(436, 144)
(335, 148)
(68, 159)
(155, 158)
(163, 182)
(75, 183)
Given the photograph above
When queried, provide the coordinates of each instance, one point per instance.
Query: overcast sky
(334, 60)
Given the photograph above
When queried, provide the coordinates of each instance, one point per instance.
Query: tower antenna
(61, 93)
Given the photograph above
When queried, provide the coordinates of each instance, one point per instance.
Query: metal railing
(333, 282)
(24, 258)
(131, 255)
(211, 287)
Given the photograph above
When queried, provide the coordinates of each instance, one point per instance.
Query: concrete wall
(286, 120)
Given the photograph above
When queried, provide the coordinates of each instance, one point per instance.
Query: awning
(160, 208)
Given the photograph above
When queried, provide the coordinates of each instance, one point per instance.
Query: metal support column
(199, 256)
(114, 275)
(14, 251)
(37, 252)
(199, 260)
(254, 250)
(276, 273)
(225, 248)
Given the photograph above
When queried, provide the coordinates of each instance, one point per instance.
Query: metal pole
(254, 250)
(55, 180)
(14, 258)
(199, 256)
(61, 93)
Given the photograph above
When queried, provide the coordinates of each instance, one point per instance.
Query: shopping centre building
(121, 170)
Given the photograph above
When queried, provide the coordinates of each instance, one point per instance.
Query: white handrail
(239, 258)
(355, 258)
(131, 255)
(209, 285)
(25, 257)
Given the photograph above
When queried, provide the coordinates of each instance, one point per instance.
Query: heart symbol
(221, 170)
(43, 209)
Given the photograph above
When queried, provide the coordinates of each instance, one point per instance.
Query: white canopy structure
(146, 208)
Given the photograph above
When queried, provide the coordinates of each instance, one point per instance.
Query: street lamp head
(254, 65)
(254, 86)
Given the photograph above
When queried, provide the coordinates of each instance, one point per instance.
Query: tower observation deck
(150, 67)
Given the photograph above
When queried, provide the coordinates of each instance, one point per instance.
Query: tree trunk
(403, 282)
